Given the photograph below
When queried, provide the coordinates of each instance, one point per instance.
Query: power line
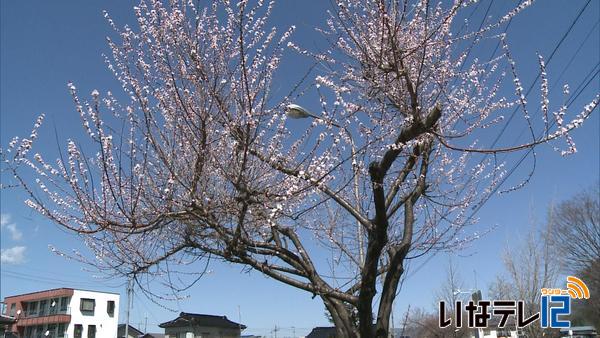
(514, 168)
(591, 73)
(589, 33)
(582, 86)
(578, 92)
(147, 309)
(505, 126)
(52, 280)
(562, 39)
(430, 257)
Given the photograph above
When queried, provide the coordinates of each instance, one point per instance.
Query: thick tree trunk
(368, 287)
(388, 294)
(344, 326)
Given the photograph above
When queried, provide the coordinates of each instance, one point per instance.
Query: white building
(498, 333)
(64, 313)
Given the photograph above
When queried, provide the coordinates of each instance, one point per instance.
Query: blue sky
(46, 44)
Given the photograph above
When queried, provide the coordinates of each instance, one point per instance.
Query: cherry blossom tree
(199, 160)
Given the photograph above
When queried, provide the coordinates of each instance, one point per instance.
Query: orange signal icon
(577, 288)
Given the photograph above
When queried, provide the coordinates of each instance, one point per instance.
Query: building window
(43, 306)
(91, 331)
(61, 330)
(51, 331)
(32, 309)
(54, 304)
(78, 331)
(87, 305)
(64, 303)
(13, 309)
(28, 331)
(110, 307)
(39, 331)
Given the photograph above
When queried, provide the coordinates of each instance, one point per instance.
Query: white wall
(493, 334)
(201, 332)
(106, 326)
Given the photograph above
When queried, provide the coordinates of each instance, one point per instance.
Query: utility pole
(146, 323)
(405, 321)
(240, 318)
(129, 299)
